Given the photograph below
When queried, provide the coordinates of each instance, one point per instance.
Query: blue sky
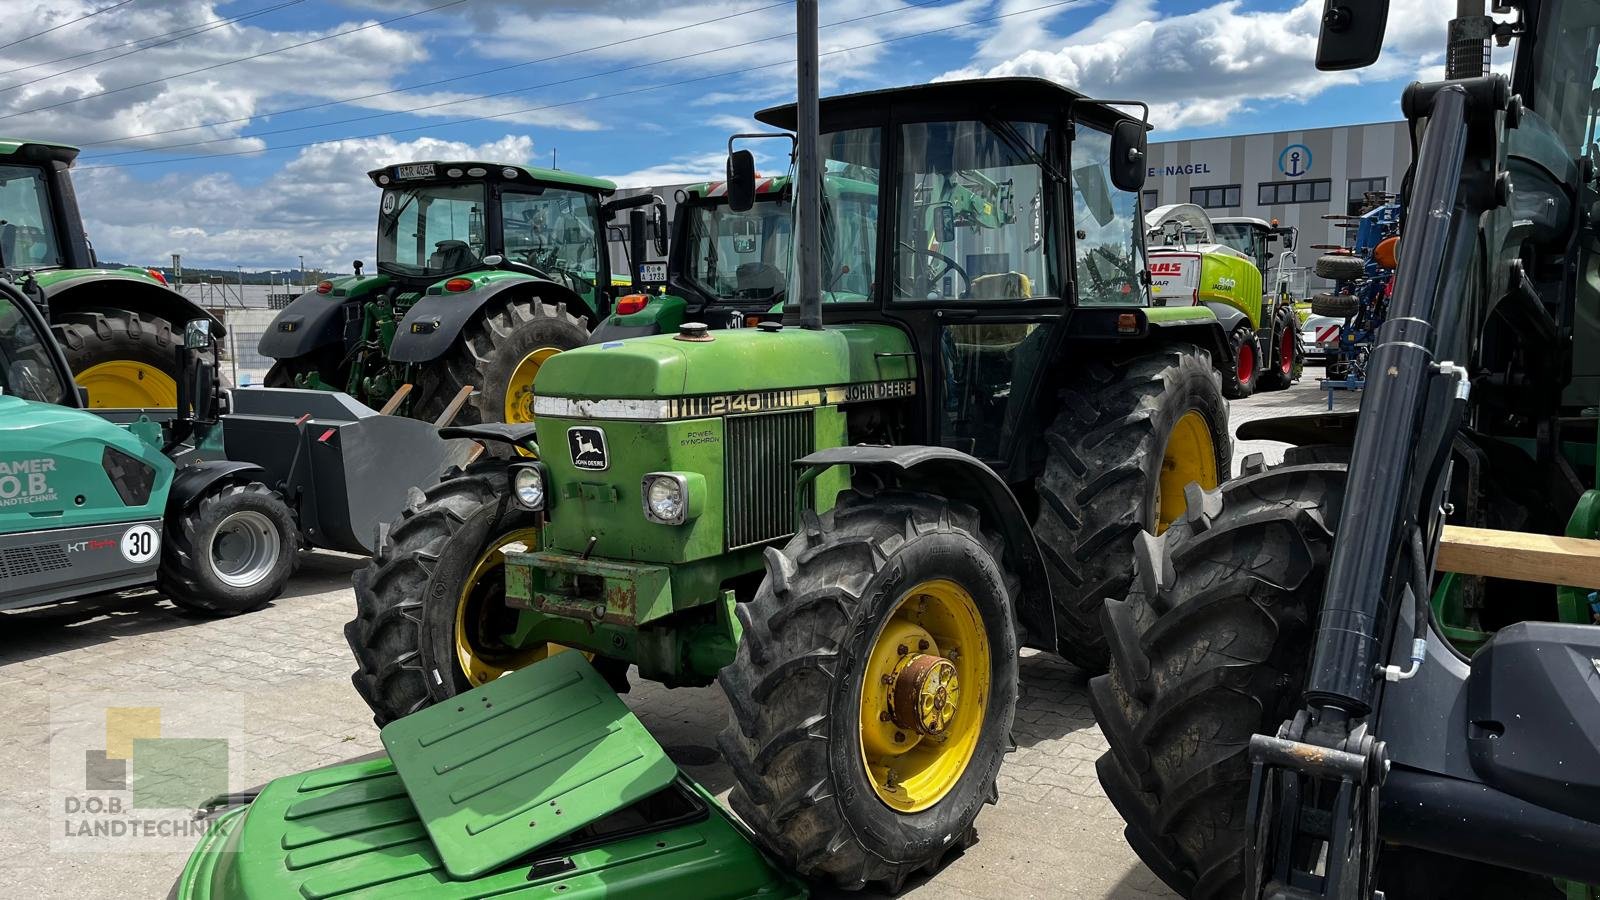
(248, 191)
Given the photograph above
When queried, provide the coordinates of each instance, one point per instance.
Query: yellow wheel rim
(924, 695)
(126, 384)
(519, 391)
(1190, 456)
(482, 618)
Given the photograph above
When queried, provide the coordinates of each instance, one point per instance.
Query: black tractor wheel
(1340, 266)
(1288, 354)
(1129, 438)
(1338, 306)
(430, 607)
(1239, 376)
(499, 354)
(231, 552)
(873, 693)
(1208, 654)
(124, 359)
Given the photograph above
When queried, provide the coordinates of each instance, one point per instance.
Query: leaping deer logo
(588, 447)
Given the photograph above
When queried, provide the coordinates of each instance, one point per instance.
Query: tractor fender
(192, 482)
(1227, 316)
(1211, 336)
(102, 289)
(661, 315)
(1337, 428)
(310, 322)
(953, 474)
(435, 323)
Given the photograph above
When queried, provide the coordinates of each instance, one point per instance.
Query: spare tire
(1340, 266)
(1339, 306)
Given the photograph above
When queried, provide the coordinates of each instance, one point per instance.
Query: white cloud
(1202, 67)
(319, 204)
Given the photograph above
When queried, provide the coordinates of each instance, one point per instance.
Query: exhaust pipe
(1467, 50)
(808, 171)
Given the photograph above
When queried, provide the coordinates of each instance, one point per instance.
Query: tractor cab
(31, 366)
(438, 220)
(39, 225)
(732, 265)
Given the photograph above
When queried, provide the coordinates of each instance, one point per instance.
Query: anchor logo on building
(1295, 160)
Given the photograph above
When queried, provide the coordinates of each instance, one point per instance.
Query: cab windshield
(970, 223)
(739, 256)
(431, 230)
(27, 236)
(1246, 239)
(553, 230)
(26, 367)
(1566, 80)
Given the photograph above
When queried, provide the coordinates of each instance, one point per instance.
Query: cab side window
(1107, 257)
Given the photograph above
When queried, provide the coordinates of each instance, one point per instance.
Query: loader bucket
(344, 467)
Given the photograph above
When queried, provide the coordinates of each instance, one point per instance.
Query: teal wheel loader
(484, 272)
(87, 506)
(120, 328)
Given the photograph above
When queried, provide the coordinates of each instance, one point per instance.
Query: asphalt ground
(274, 685)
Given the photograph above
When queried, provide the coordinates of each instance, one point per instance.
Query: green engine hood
(740, 359)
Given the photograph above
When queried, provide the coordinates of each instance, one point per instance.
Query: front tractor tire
(873, 691)
(231, 552)
(124, 359)
(1128, 440)
(499, 353)
(1210, 654)
(1288, 360)
(430, 607)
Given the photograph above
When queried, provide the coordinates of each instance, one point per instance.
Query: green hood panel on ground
(742, 359)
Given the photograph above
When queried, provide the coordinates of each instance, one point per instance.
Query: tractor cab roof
(459, 171)
(1028, 97)
(37, 151)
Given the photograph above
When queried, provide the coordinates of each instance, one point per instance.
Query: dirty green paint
(1179, 315)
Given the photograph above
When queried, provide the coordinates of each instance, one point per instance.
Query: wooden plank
(454, 406)
(1540, 558)
(395, 401)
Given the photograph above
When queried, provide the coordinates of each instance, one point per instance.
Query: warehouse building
(1296, 177)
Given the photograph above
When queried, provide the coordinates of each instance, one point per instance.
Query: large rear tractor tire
(873, 693)
(1129, 438)
(430, 607)
(499, 354)
(231, 552)
(1209, 654)
(1288, 353)
(124, 359)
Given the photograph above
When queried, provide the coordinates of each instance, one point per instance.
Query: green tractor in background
(484, 271)
(1231, 270)
(120, 328)
(853, 528)
(88, 507)
(725, 268)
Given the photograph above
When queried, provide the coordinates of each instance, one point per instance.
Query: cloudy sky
(238, 132)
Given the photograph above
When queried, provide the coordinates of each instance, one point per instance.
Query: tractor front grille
(16, 562)
(761, 474)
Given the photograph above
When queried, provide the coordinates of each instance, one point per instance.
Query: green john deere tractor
(852, 528)
(485, 271)
(120, 328)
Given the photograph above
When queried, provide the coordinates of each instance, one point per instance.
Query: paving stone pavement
(276, 683)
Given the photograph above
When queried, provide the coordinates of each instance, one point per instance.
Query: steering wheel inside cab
(927, 279)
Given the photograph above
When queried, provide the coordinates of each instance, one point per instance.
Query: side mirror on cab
(197, 334)
(945, 223)
(1352, 34)
(660, 222)
(741, 180)
(1128, 155)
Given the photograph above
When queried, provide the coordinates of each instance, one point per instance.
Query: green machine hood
(540, 784)
(740, 359)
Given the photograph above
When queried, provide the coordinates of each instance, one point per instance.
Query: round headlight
(528, 487)
(663, 499)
